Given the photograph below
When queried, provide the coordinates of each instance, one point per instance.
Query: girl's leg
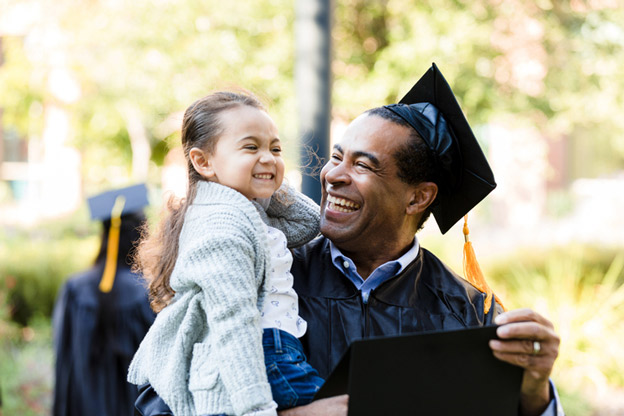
(293, 381)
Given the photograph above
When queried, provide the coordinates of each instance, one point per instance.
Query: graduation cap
(431, 108)
(112, 205)
(101, 205)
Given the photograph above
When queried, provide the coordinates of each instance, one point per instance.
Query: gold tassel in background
(110, 269)
(472, 270)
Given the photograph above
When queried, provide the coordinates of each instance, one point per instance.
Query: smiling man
(367, 275)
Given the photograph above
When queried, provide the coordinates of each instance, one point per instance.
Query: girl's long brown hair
(157, 252)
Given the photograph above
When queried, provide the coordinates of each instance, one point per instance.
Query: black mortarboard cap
(113, 205)
(431, 109)
(101, 205)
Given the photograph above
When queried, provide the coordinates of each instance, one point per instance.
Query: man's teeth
(264, 176)
(341, 204)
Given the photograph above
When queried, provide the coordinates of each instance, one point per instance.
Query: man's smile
(341, 204)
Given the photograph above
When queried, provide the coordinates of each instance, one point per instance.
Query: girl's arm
(293, 213)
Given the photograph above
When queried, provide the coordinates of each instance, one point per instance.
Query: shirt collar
(381, 274)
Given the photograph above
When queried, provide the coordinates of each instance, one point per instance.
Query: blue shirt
(391, 269)
(381, 274)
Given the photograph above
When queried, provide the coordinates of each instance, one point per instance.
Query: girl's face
(247, 155)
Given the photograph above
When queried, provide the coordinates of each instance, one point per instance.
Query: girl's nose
(267, 157)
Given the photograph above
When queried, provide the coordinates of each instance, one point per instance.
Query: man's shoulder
(443, 277)
(444, 280)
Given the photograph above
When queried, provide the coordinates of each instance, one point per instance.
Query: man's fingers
(525, 347)
(517, 347)
(522, 315)
(525, 330)
(538, 363)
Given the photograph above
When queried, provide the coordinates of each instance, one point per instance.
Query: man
(368, 276)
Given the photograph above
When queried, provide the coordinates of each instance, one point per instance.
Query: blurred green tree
(552, 63)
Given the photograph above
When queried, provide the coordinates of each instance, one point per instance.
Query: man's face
(364, 201)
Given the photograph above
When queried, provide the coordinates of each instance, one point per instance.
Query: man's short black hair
(415, 161)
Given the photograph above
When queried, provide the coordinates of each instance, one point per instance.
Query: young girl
(219, 277)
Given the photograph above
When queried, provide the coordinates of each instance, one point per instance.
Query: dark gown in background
(95, 336)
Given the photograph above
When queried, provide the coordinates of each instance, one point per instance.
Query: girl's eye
(276, 150)
(251, 147)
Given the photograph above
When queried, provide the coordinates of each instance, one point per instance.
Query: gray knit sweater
(203, 354)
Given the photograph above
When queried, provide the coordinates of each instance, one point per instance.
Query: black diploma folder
(430, 373)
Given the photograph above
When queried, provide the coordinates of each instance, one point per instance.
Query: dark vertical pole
(313, 88)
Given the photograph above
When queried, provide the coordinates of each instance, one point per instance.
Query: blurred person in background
(102, 314)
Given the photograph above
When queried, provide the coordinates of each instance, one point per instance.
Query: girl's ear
(201, 162)
(423, 195)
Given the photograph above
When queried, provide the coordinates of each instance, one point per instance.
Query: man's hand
(332, 406)
(528, 340)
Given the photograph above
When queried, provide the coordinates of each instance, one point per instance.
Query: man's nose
(336, 173)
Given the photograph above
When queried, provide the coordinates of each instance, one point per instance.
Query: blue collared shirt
(391, 269)
(381, 274)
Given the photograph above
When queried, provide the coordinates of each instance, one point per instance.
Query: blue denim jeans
(293, 381)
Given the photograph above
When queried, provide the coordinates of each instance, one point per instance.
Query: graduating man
(368, 276)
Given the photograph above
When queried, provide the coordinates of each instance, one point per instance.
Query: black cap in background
(101, 205)
(431, 109)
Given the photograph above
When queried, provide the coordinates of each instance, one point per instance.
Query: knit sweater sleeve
(293, 213)
(221, 262)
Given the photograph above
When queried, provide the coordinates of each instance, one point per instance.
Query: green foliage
(36, 262)
(26, 371)
(581, 290)
(552, 64)
(22, 96)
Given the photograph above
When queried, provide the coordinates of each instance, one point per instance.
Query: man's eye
(362, 165)
(336, 156)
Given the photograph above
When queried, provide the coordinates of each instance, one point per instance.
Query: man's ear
(423, 195)
(201, 162)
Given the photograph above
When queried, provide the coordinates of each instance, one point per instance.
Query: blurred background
(92, 94)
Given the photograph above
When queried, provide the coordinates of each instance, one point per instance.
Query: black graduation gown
(95, 338)
(426, 296)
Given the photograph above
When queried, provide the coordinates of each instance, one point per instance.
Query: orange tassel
(473, 273)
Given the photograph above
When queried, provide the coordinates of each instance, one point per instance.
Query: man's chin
(335, 232)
